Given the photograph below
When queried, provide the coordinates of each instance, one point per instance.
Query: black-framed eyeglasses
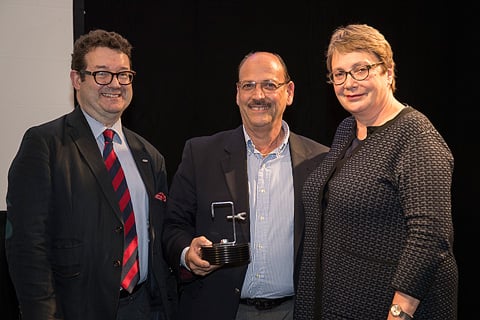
(267, 85)
(358, 73)
(105, 77)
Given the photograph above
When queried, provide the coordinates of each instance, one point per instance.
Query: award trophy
(227, 252)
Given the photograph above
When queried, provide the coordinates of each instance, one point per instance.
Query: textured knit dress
(378, 219)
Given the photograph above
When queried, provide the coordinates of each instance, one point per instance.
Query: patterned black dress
(378, 219)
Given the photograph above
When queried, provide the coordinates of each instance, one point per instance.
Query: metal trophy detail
(227, 252)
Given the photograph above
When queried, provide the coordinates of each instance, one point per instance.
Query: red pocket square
(161, 196)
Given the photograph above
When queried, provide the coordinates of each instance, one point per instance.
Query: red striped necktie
(130, 270)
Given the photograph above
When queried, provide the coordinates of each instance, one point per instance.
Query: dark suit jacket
(65, 245)
(214, 169)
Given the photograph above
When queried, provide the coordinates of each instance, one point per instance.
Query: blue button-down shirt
(270, 178)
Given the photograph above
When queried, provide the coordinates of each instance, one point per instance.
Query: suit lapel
(234, 165)
(300, 163)
(79, 131)
(301, 168)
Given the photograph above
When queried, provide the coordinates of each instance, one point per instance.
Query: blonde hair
(361, 37)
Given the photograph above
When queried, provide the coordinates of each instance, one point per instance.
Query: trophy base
(227, 253)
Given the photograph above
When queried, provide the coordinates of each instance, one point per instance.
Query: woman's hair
(361, 37)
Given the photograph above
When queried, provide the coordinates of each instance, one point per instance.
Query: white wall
(36, 40)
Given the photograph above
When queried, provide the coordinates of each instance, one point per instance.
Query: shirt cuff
(182, 259)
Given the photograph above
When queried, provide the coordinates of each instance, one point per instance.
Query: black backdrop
(186, 55)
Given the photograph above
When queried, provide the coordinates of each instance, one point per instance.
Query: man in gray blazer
(258, 169)
(65, 232)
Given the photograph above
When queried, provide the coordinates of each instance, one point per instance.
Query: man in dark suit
(65, 232)
(255, 173)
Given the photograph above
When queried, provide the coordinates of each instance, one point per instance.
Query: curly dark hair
(98, 38)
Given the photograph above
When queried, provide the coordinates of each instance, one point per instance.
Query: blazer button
(119, 229)
(117, 263)
(237, 291)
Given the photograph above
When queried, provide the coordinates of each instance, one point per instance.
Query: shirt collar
(280, 149)
(98, 128)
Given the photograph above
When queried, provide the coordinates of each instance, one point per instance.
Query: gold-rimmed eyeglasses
(267, 85)
(358, 73)
(106, 77)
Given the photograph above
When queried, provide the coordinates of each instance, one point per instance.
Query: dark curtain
(186, 55)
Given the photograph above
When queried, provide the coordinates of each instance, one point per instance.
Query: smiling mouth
(111, 95)
(262, 108)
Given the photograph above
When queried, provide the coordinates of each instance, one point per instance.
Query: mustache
(260, 102)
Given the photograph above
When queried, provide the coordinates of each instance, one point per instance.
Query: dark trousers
(281, 312)
(138, 307)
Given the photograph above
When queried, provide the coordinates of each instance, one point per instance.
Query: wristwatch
(397, 312)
